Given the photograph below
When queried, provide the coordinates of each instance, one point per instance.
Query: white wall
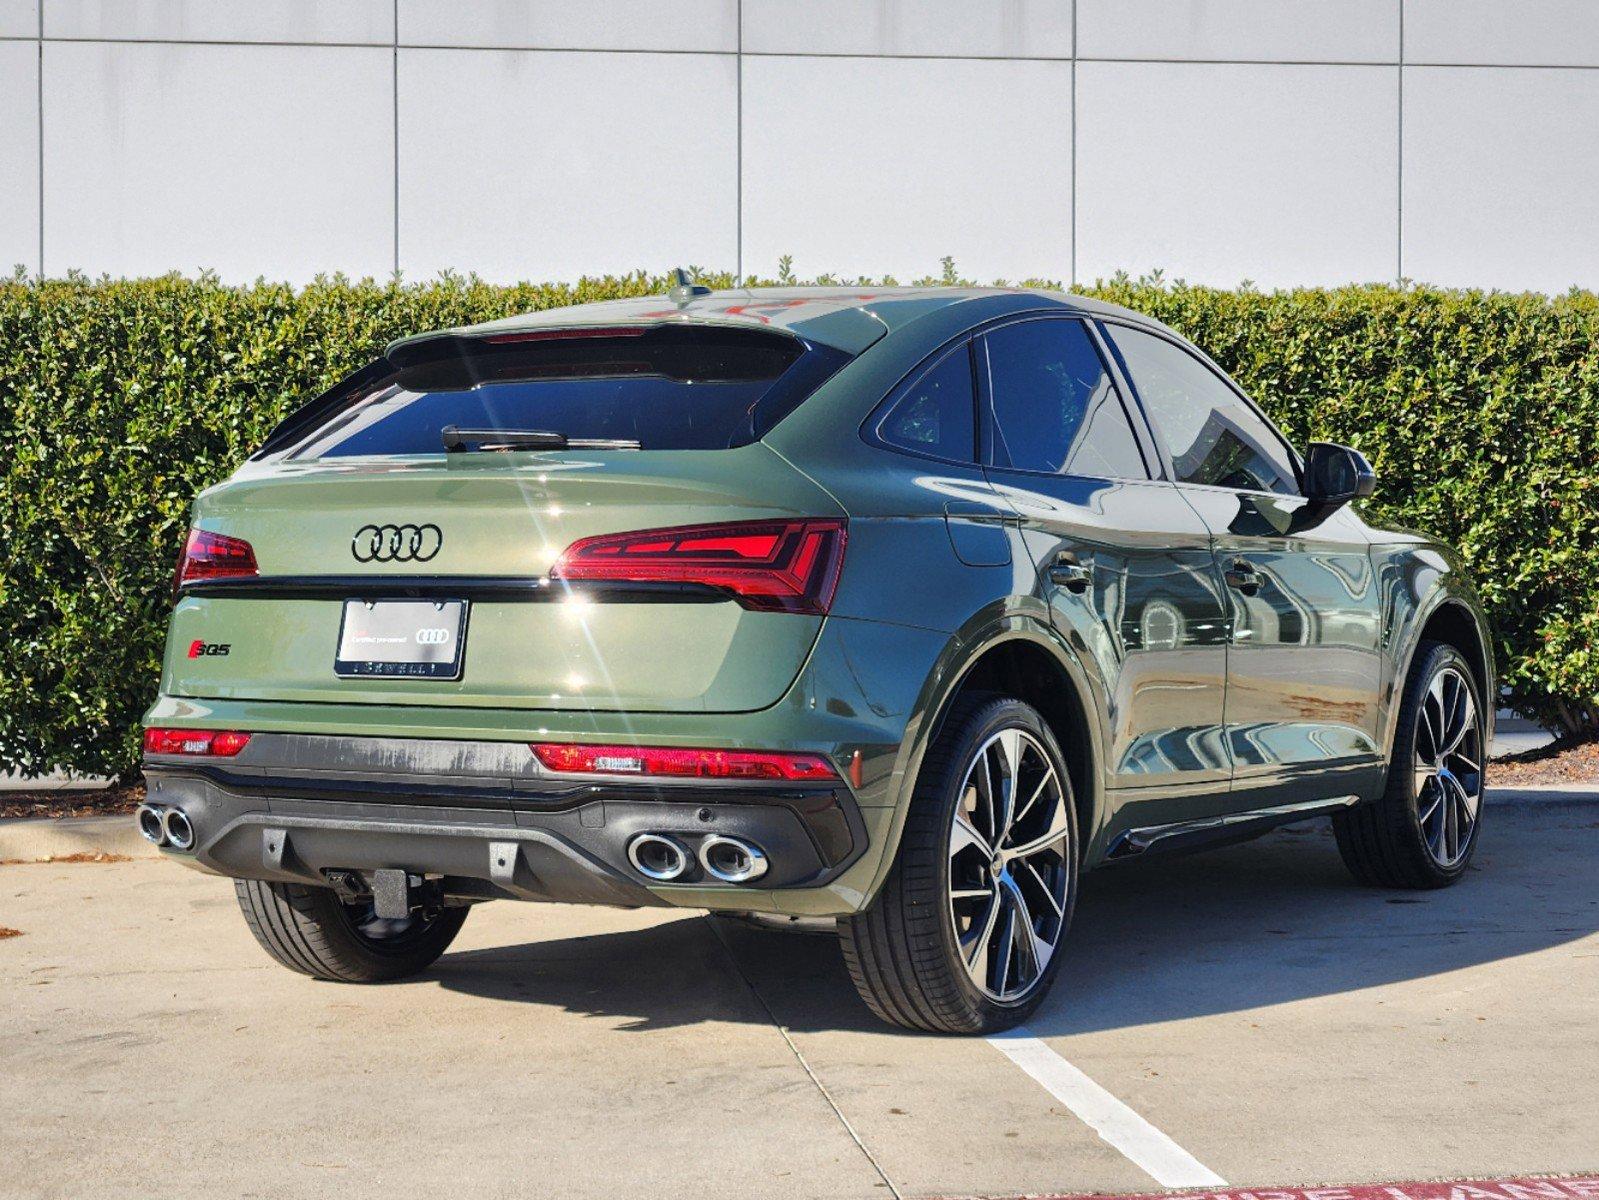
(1283, 141)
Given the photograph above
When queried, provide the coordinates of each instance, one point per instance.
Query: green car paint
(947, 574)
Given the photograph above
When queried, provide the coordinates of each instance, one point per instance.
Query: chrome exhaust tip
(732, 860)
(657, 857)
(180, 833)
(151, 827)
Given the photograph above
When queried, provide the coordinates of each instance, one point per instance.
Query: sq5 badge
(203, 649)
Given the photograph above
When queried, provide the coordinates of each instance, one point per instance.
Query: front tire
(313, 931)
(964, 936)
(1423, 830)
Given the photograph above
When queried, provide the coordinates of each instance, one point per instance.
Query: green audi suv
(890, 608)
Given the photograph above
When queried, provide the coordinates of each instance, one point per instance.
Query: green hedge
(120, 399)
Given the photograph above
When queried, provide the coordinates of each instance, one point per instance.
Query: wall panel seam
(39, 131)
(1399, 182)
(738, 150)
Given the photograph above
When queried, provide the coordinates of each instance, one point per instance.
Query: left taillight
(204, 743)
(208, 555)
(775, 566)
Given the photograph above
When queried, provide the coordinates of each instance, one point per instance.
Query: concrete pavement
(1280, 1024)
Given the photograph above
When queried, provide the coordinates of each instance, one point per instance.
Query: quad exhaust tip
(150, 825)
(658, 857)
(165, 826)
(732, 860)
(180, 833)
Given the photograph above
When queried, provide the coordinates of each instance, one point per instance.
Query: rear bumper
(485, 819)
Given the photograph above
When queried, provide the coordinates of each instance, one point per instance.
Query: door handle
(1070, 574)
(1243, 577)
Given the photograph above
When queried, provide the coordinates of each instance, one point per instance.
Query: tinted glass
(1055, 407)
(935, 416)
(1214, 437)
(666, 388)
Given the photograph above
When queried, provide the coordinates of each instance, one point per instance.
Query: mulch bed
(73, 802)
(1559, 763)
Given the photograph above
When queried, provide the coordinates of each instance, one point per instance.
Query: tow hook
(349, 885)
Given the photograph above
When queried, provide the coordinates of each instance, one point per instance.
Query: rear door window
(679, 387)
(1055, 408)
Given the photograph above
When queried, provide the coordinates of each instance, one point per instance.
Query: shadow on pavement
(1265, 923)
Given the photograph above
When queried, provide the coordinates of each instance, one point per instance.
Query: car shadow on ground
(1266, 923)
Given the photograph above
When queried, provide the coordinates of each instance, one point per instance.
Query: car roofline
(846, 318)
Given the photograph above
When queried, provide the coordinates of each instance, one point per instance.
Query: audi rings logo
(396, 543)
(432, 637)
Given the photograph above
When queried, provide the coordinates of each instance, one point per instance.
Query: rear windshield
(671, 387)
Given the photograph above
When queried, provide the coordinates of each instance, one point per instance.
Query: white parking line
(1140, 1142)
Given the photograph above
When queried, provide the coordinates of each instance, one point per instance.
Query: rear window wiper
(526, 439)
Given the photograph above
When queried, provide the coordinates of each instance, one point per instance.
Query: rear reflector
(205, 743)
(682, 764)
(774, 566)
(209, 555)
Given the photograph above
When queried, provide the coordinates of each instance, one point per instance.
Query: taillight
(205, 743)
(209, 555)
(682, 764)
(776, 566)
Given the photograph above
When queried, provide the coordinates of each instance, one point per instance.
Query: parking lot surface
(1274, 1023)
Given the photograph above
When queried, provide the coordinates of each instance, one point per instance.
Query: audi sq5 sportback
(896, 608)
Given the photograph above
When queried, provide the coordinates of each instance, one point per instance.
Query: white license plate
(413, 639)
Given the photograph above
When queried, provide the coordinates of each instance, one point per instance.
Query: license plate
(415, 639)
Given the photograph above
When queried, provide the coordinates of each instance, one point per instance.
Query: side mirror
(1337, 474)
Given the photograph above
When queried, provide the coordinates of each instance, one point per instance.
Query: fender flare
(1440, 597)
(944, 682)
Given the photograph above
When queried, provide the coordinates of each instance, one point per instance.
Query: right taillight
(201, 743)
(779, 566)
(209, 555)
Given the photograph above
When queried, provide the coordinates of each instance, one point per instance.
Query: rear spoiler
(314, 412)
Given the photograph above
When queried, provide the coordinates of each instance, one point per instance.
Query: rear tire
(312, 931)
(1423, 830)
(945, 947)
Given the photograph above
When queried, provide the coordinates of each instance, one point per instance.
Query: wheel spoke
(1027, 807)
(1059, 827)
(1038, 950)
(1010, 765)
(974, 944)
(1005, 938)
(1044, 888)
(1434, 715)
(1426, 814)
(1469, 802)
(983, 785)
(963, 835)
(1467, 724)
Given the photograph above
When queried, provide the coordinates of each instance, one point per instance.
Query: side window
(1214, 437)
(1055, 407)
(935, 415)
